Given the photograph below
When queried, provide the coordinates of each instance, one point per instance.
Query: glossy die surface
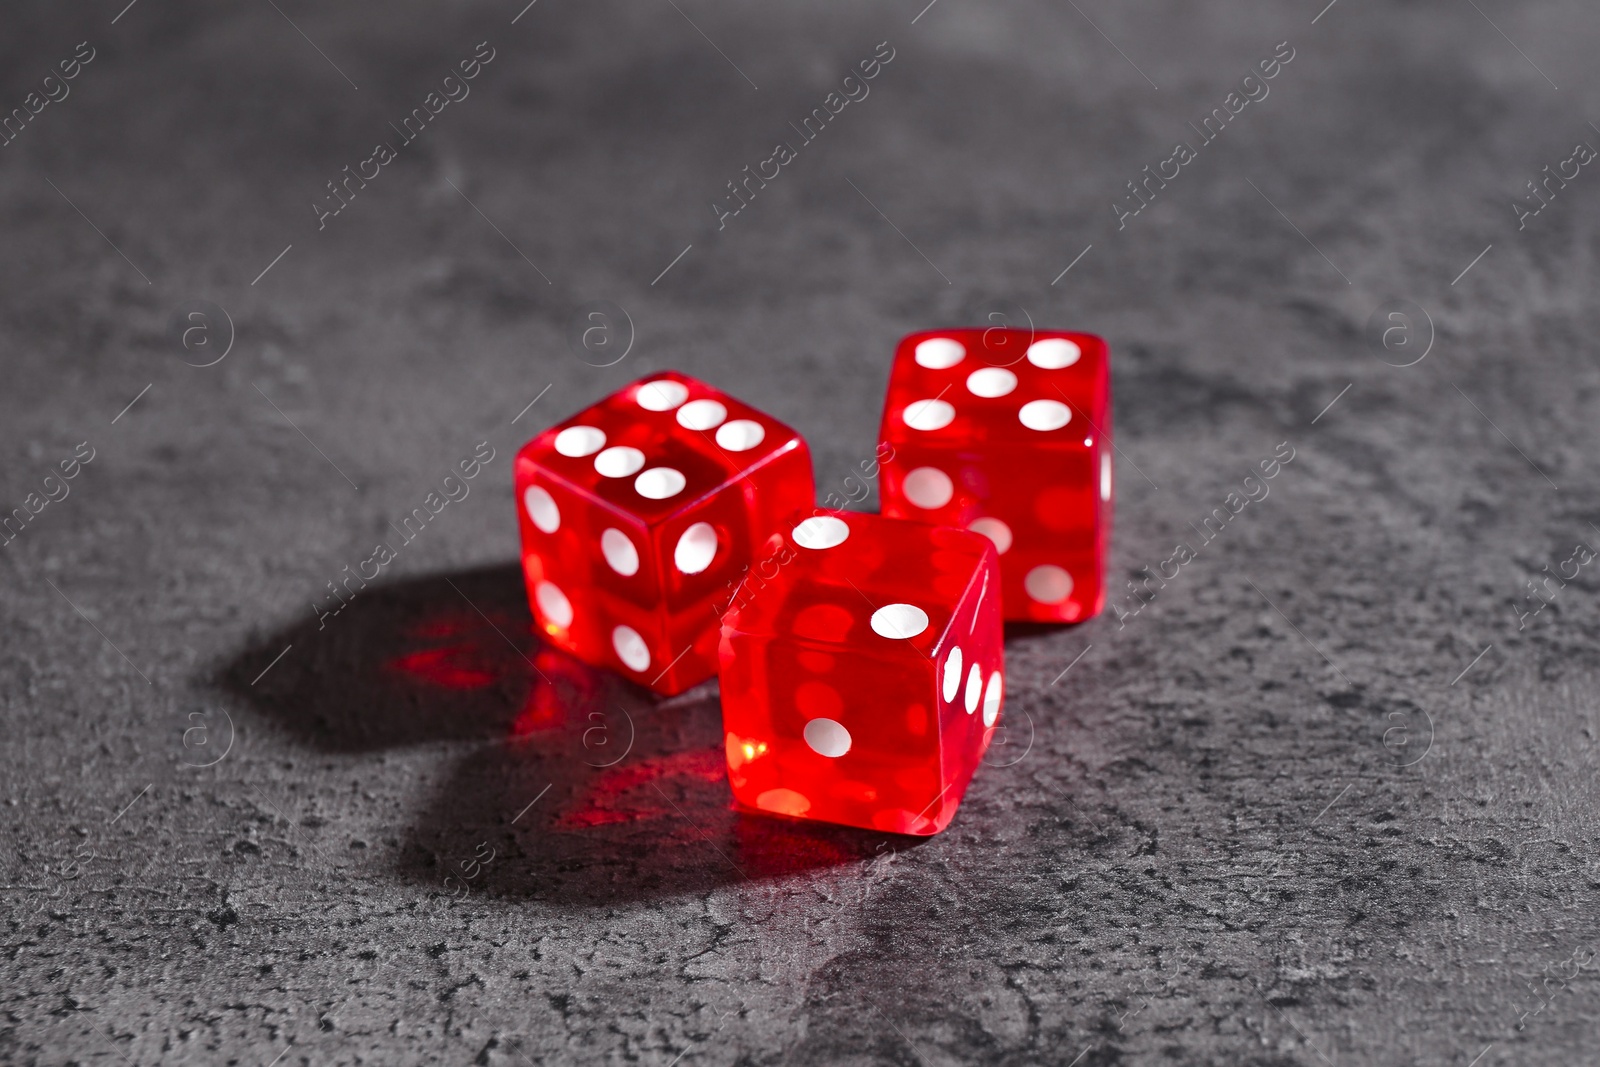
(1004, 432)
(638, 512)
(862, 672)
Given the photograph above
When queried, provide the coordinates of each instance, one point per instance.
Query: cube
(862, 672)
(1007, 432)
(638, 516)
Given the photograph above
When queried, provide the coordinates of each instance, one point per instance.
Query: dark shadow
(1017, 630)
(445, 658)
(530, 819)
(586, 789)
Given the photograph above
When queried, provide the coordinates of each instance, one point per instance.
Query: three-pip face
(862, 681)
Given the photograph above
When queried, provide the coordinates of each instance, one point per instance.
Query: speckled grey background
(1326, 799)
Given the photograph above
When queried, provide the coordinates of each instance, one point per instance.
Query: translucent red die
(1006, 432)
(862, 672)
(640, 514)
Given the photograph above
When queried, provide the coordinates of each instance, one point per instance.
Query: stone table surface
(1326, 796)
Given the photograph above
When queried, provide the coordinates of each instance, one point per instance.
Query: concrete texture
(1328, 798)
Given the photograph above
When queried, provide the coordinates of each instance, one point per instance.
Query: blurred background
(1328, 797)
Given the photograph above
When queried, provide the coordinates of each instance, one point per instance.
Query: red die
(1018, 452)
(638, 513)
(854, 676)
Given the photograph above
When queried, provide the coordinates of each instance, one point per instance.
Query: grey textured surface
(1266, 820)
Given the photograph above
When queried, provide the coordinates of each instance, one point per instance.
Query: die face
(1006, 433)
(569, 575)
(636, 515)
(986, 387)
(846, 667)
(1053, 536)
